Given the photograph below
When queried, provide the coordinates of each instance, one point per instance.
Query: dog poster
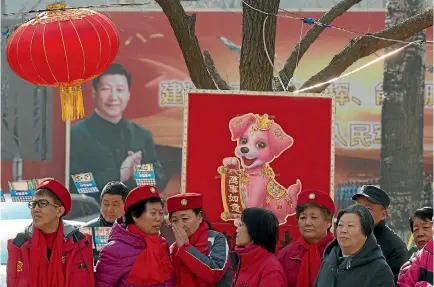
(256, 149)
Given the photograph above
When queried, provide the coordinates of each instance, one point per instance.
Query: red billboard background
(151, 53)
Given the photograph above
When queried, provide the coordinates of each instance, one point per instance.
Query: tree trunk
(256, 72)
(402, 121)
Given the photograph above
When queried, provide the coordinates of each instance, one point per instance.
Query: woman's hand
(181, 237)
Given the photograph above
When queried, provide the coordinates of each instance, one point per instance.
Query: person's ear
(93, 93)
(60, 211)
(383, 213)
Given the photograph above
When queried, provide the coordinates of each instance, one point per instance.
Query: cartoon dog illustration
(259, 142)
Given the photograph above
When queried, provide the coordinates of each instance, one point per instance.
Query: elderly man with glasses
(50, 252)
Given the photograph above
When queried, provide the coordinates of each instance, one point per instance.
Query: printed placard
(101, 236)
(2, 196)
(85, 183)
(22, 191)
(144, 174)
(233, 184)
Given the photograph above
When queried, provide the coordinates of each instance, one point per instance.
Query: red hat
(317, 197)
(140, 193)
(59, 190)
(184, 201)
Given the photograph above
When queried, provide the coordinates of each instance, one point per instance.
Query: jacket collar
(379, 228)
(68, 230)
(104, 223)
(252, 255)
(429, 247)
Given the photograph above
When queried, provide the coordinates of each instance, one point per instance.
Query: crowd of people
(361, 250)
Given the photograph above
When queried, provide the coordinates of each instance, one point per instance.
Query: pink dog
(260, 141)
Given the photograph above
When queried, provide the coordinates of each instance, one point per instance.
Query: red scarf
(311, 262)
(43, 272)
(185, 276)
(153, 264)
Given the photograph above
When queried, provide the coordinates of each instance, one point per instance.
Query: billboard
(150, 54)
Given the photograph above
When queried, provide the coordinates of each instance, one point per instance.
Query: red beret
(59, 190)
(184, 201)
(317, 197)
(140, 193)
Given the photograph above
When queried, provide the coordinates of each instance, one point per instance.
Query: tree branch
(209, 62)
(364, 46)
(183, 27)
(297, 54)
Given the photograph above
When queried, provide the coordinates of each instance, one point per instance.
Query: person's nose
(111, 94)
(158, 217)
(419, 233)
(110, 209)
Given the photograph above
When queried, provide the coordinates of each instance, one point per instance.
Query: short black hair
(115, 188)
(197, 211)
(365, 217)
(114, 69)
(136, 210)
(424, 213)
(262, 226)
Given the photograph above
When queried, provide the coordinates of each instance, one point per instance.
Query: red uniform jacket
(77, 254)
(212, 270)
(291, 256)
(258, 268)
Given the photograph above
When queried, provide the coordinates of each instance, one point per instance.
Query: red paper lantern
(63, 48)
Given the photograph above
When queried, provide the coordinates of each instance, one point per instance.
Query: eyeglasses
(41, 203)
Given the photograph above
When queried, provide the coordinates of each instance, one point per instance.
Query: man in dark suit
(106, 144)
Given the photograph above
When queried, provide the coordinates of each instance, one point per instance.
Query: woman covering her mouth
(200, 255)
(136, 254)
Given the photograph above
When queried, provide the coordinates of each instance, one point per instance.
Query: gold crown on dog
(263, 122)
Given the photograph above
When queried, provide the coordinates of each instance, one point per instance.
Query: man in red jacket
(50, 252)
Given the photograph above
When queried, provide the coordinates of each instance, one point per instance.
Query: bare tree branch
(297, 54)
(209, 62)
(364, 46)
(183, 27)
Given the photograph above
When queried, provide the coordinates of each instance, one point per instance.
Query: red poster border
(237, 92)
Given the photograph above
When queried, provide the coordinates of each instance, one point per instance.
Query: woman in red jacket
(200, 255)
(301, 259)
(256, 241)
(50, 252)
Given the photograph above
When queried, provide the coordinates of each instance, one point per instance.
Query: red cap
(140, 193)
(317, 197)
(184, 201)
(59, 190)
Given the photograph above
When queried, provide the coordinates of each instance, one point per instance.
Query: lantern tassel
(71, 99)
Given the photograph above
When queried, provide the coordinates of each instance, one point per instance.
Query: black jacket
(95, 223)
(366, 268)
(98, 222)
(394, 249)
(100, 147)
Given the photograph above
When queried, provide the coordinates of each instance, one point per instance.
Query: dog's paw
(231, 161)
